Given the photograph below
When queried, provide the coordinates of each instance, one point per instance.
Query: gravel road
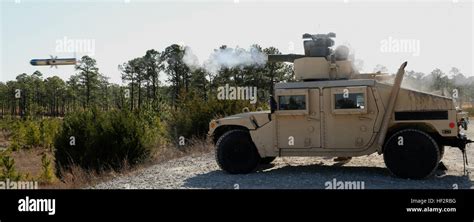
(202, 172)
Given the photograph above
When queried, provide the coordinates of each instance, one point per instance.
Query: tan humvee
(334, 111)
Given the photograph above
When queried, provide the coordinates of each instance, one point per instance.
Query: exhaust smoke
(226, 58)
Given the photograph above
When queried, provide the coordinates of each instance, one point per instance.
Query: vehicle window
(292, 102)
(353, 101)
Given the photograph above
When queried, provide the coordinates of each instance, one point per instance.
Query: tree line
(446, 84)
(33, 95)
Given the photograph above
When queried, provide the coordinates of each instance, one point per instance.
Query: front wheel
(411, 154)
(441, 151)
(236, 153)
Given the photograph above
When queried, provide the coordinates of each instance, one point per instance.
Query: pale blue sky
(122, 31)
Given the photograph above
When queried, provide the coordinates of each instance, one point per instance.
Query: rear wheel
(267, 160)
(411, 154)
(236, 153)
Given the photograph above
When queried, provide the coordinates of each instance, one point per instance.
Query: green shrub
(49, 128)
(14, 146)
(98, 141)
(6, 125)
(191, 119)
(18, 135)
(33, 133)
(7, 164)
(47, 174)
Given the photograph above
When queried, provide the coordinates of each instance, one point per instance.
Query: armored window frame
(351, 90)
(292, 92)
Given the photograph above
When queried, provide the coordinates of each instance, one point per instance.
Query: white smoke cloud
(190, 59)
(357, 64)
(226, 58)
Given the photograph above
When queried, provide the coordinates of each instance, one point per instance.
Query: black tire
(441, 152)
(417, 158)
(267, 160)
(236, 153)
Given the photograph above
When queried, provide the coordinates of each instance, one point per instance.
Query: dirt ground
(202, 172)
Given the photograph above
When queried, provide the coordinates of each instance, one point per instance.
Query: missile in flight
(54, 61)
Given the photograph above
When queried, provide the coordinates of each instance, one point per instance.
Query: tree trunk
(272, 78)
(131, 106)
(154, 88)
(139, 93)
(88, 89)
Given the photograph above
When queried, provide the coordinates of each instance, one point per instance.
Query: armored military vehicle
(334, 111)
